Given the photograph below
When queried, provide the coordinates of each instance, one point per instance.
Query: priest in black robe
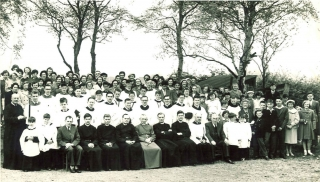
(181, 136)
(110, 154)
(131, 154)
(89, 143)
(170, 150)
(15, 123)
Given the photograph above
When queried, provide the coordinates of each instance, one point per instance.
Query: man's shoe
(266, 158)
(77, 170)
(271, 157)
(72, 169)
(49, 169)
(230, 161)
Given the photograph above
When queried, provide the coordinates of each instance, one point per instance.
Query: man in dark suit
(214, 132)
(164, 90)
(272, 94)
(314, 105)
(68, 138)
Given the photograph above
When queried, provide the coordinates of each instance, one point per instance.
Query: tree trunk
(61, 54)
(94, 38)
(179, 41)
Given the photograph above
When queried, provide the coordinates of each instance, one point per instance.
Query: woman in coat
(291, 135)
(306, 126)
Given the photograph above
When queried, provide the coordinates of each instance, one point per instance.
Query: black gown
(110, 155)
(88, 134)
(131, 156)
(12, 158)
(187, 147)
(170, 150)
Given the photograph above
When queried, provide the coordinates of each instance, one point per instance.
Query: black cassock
(88, 134)
(110, 155)
(187, 147)
(131, 156)
(170, 150)
(12, 158)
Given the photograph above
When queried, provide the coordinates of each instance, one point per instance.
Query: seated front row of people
(124, 146)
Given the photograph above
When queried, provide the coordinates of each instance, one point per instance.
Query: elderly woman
(152, 152)
(306, 126)
(292, 127)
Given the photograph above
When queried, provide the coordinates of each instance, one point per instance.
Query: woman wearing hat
(306, 126)
(291, 133)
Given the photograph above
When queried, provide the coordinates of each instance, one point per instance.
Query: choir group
(92, 124)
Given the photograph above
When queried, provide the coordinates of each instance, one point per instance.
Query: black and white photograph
(159, 90)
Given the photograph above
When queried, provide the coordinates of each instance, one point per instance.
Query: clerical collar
(162, 123)
(180, 121)
(196, 123)
(197, 108)
(107, 124)
(279, 107)
(109, 103)
(64, 110)
(90, 109)
(46, 96)
(127, 109)
(29, 128)
(168, 107)
(158, 100)
(99, 101)
(14, 104)
(144, 107)
(179, 104)
(87, 125)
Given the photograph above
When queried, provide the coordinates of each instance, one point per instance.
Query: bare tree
(170, 21)
(71, 17)
(231, 28)
(106, 21)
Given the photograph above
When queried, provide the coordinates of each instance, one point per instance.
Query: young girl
(306, 128)
(245, 135)
(292, 127)
(31, 142)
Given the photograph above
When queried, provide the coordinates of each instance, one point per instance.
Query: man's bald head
(15, 98)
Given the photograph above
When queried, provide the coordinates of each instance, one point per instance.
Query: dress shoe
(266, 158)
(49, 169)
(72, 170)
(230, 161)
(77, 170)
(271, 157)
(283, 156)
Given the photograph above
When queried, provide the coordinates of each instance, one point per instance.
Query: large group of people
(93, 123)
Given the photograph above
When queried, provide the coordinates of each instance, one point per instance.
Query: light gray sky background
(135, 52)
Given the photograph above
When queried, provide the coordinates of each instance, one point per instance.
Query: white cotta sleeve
(22, 139)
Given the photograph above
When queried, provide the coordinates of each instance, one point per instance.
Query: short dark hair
(87, 115)
(98, 92)
(180, 112)
(46, 115)
(31, 119)
(12, 85)
(127, 99)
(63, 99)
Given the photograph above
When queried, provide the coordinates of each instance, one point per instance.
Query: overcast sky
(135, 52)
